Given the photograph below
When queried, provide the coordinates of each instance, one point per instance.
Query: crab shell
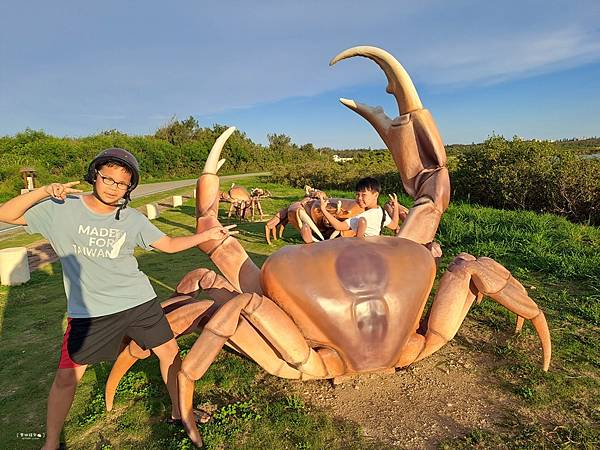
(360, 316)
(239, 193)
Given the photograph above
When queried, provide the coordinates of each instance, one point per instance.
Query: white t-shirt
(373, 217)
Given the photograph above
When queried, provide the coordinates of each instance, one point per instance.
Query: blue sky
(73, 68)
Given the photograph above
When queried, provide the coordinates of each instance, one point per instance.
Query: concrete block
(14, 268)
(177, 200)
(152, 211)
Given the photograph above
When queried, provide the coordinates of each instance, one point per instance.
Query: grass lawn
(558, 262)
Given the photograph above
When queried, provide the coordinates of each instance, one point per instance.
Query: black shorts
(94, 339)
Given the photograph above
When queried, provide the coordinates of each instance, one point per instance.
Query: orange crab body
(363, 303)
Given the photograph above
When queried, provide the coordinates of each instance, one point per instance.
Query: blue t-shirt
(100, 273)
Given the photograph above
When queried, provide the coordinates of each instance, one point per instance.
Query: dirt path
(446, 395)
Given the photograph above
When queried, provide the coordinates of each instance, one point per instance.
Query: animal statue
(338, 307)
(241, 201)
(256, 195)
(308, 212)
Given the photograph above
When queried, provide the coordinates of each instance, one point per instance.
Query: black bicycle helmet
(120, 156)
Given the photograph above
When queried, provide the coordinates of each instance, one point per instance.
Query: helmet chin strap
(119, 206)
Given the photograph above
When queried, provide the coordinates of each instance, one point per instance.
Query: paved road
(154, 188)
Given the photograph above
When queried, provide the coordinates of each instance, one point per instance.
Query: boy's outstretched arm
(335, 223)
(170, 244)
(14, 209)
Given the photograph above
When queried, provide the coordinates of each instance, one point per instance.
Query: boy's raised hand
(322, 199)
(221, 232)
(402, 210)
(60, 191)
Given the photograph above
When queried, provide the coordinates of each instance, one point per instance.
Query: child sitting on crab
(371, 221)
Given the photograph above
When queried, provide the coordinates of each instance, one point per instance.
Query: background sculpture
(307, 213)
(241, 201)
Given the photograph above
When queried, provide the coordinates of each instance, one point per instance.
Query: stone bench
(14, 267)
(152, 211)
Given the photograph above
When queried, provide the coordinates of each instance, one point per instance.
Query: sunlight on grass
(557, 262)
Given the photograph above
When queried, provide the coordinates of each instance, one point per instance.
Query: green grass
(557, 262)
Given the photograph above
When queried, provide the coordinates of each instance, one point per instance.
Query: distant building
(338, 158)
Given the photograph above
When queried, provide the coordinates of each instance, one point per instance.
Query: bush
(323, 173)
(178, 150)
(528, 175)
(532, 175)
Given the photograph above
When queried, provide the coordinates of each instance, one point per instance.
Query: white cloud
(512, 56)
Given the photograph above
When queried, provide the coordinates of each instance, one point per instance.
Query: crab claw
(207, 187)
(227, 253)
(399, 82)
(304, 218)
(414, 142)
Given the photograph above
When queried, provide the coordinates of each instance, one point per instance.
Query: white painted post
(152, 211)
(177, 200)
(194, 193)
(14, 268)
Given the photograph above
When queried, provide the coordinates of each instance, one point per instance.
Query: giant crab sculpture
(344, 306)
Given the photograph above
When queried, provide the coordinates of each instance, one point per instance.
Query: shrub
(532, 175)
(177, 150)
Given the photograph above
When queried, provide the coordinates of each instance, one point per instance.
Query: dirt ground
(444, 396)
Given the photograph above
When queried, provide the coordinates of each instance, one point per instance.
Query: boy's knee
(66, 378)
(167, 350)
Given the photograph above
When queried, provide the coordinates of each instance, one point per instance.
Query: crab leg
(248, 341)
(281, 219)
(414, 142)
(185, 313)
(231, 208)
(259, 208)
(227, 254)
(217, 287)
(270, 321)
(468, 278)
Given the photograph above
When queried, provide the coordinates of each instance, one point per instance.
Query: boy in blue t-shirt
(108, 297)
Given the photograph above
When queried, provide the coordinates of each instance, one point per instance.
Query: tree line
(504, 173)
